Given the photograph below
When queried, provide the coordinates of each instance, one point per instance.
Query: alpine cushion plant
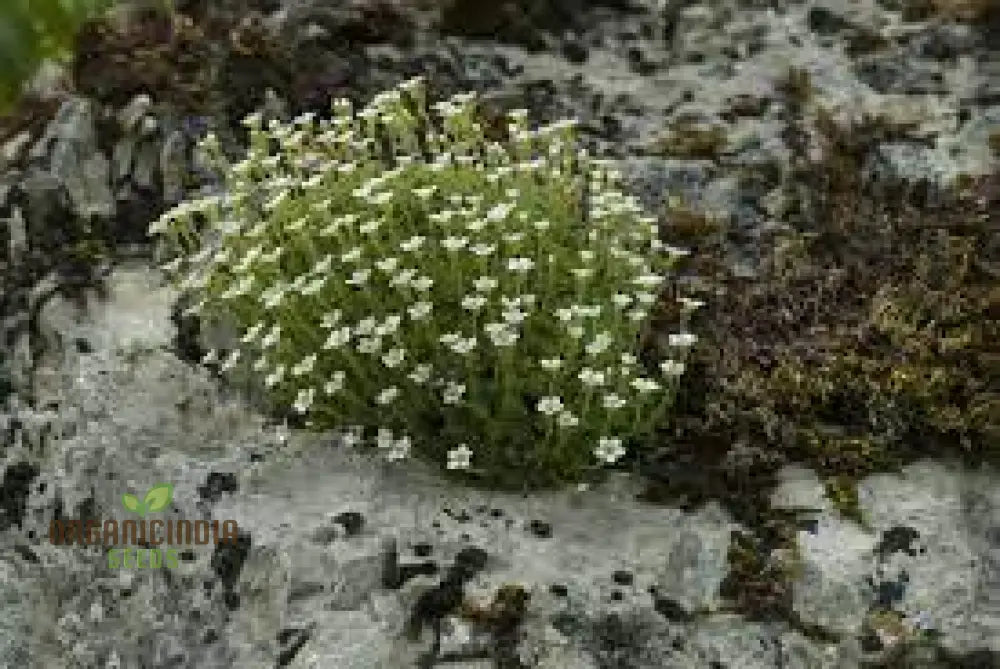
(396, 273)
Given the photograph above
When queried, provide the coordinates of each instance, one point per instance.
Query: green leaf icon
(159, 497)
(132, 503)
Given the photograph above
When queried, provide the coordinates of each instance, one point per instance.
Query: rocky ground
(726, 105)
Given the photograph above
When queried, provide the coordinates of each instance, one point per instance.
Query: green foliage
(475, 302)
(34, 30)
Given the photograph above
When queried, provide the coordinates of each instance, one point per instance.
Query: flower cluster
(471, 301)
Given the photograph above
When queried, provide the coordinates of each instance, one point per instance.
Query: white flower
(682, 339)
(591, 377)
(273, 296)
(644, 385)
(384, 438)
(514, 316)
(473, 302)
(460, 457)
(425, 192)
(689, 304)
(231, 360)
(296, 225)
(420, 374)
(419, 310)
(629, 359)
(403, 278)
(542, 225)
(609, 450)
(331, 319)
(449, 338)
(352, 256)
(323, 265)
(672, 368)
(648, 280)
(305, 366)
(564, 315)
(400, 449)
(612, 401)
(637, 314)
(274, 378)
(518, 264)
(575, 331)
(337, 338)
(351, 437)
(675, 252)
(276, 201)
(550, 364)
(336, 383)
(387, 396)
(453, 393)
(387, 265)
(412, 244)
(359, 278)
(513, 237)
(499, 212)
(484, 284)
(550, 405)
(621, 300)
(238, 289)
(645, 298)
(464, 346)
(500, 334)
(454, 243)
(482, 250)
(379, 199)
(370, 344)
(314, 286)
(261, 363)
(567, 419)
(422, 284)
(600, 343)
(583, 272)
(272, 337)
(389, 325)
(394, 357)
(210, 357)
(304, 399)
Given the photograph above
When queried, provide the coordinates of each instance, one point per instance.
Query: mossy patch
(692, 141)
(871, 337)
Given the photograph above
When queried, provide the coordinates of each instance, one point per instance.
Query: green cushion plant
(395, 272)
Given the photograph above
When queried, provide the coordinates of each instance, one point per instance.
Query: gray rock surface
(130, 414)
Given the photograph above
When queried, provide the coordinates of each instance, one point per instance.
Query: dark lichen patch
(994, 142)
(796, 86)
(692, 141)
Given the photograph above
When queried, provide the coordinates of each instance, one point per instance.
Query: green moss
(842, 491)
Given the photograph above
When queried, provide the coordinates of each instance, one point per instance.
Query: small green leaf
(159, 496)
(132, 503)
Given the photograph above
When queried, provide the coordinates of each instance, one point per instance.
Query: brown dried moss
(872, 336)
